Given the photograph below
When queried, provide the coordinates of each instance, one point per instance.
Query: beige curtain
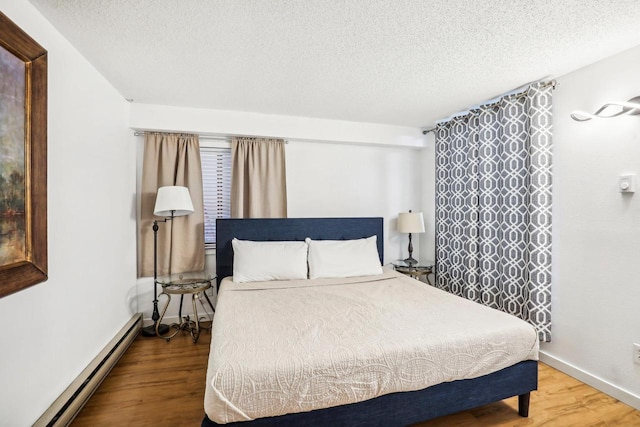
(171, 159)
(258, 178)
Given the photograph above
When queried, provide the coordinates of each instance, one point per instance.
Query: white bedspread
(293, 346)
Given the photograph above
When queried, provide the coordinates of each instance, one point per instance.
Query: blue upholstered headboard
(290, 229)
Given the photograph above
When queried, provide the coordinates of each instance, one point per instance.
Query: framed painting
(23, 159)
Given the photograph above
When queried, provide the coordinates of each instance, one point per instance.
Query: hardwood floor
(162, 384)
(155, 383)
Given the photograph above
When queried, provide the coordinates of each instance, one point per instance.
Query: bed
(256, 358)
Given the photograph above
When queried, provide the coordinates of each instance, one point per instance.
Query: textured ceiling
(404, 62)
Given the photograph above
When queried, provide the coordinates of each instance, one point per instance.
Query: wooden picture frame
(29, 266)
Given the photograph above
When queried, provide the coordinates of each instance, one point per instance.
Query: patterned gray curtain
(493, 206)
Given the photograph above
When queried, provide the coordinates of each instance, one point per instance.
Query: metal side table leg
(164, 310)
(196, 335)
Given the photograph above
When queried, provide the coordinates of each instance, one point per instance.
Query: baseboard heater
(68, 405)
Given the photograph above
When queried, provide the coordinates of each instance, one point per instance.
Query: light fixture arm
(631, 107)
(155, 255)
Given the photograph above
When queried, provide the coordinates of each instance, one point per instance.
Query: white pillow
(343, 258)
(263, 261)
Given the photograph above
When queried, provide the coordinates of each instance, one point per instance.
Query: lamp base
(411, 261)
(150, 331)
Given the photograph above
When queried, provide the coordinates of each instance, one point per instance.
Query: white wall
(596, 230)
(333, 180)
(334, 168)
(203, 121)
(51, 331)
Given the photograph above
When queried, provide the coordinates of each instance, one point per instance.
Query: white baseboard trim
(70, 402)
(604, 386)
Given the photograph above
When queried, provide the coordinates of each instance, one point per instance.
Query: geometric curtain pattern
(493, 206)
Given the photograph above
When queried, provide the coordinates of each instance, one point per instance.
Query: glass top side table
(191, 283)
(423, 268)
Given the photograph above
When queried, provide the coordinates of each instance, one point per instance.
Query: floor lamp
(171, 201)
(411, 222)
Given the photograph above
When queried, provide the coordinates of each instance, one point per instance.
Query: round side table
(421, 269)
(185, 284)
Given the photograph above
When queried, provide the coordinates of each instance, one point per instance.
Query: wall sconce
(631, 107)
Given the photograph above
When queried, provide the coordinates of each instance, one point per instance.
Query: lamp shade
(173, 201)
(410, 222)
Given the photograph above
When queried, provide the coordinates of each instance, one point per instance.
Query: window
(216, 187)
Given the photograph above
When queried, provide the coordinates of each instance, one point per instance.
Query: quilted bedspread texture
(294, 346)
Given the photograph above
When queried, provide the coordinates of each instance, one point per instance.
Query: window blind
(216, 187)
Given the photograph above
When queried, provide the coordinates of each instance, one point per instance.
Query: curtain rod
(553, 83)
(213, 137)
(210, 137)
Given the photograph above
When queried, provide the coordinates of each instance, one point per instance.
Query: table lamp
(411, 222)
(171, 201)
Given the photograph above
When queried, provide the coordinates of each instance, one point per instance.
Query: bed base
(402, 409)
